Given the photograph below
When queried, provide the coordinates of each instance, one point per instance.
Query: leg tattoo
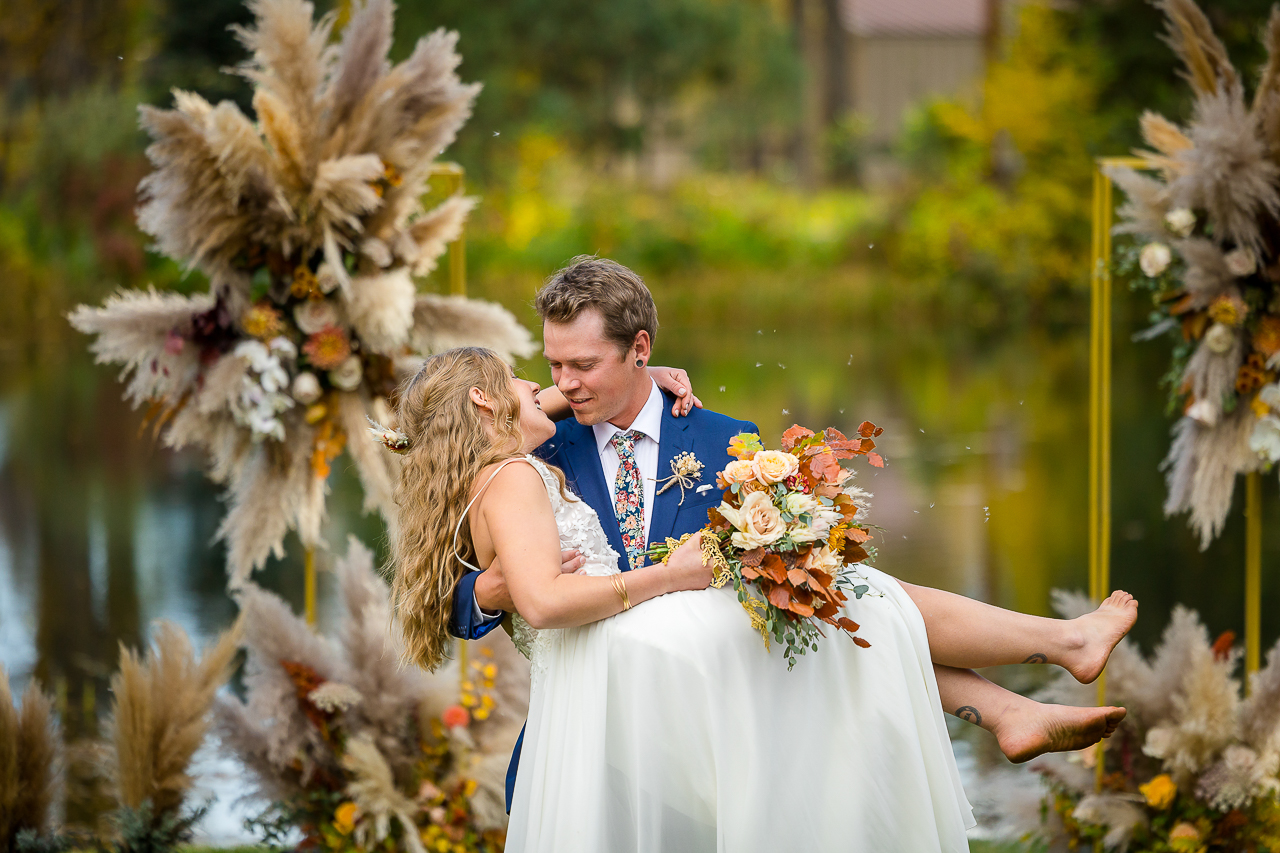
(1036, 658)
(969, 714)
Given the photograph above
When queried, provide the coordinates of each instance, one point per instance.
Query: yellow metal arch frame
(1100, 348)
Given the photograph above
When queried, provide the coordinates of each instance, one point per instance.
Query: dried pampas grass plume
(373, 789)
(1228, 171)
(1201, 470)
(1145, 204)
(1167, 140)
(161, 715)
(30, 762)
(1188, 32)
(1266, 100)
(445, 322)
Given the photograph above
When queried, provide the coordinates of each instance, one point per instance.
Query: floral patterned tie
(628, 496)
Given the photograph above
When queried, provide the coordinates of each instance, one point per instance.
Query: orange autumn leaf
(861, 643)
(827, 610)
(799, 577)
(875, 459)
(857, 535)
(826, 468)
(801, 609)
(773, 568)
(794, 436)
(867, 429)
(780, 598)
(848, 624)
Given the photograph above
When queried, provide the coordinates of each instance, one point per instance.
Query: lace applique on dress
(580, 529)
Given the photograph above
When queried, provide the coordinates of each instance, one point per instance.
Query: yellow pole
(309, 588)
(455, 177)
(1100, 345)
(1252, 575)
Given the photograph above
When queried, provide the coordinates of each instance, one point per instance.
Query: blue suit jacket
(573, 450)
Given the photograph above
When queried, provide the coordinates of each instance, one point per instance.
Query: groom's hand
(491, 587)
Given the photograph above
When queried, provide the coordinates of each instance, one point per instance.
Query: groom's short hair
(589, 282)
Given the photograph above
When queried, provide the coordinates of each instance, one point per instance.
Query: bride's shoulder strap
(458, 529)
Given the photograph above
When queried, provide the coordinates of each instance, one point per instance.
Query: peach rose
(774, 466)
(758, 522)
(739, 471)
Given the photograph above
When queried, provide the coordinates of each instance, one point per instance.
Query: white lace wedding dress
(669, 729)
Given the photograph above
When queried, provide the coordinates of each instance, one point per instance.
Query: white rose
(1241, 262)
(758, 522)
(1181, 221)
(804, 533)
(1202, 411)
(774, 466)
(798, 503)
(1265, 440)
(1154, 259)
(314, 314)
(1219, 339)
(347, 376)
(306, 388)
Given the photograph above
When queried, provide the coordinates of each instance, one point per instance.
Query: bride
(667, 726)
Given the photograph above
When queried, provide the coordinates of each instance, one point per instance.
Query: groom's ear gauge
(639, 362)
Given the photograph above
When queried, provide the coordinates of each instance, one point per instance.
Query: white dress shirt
(649, 424)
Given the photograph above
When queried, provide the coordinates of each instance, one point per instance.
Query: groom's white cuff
(479, 614)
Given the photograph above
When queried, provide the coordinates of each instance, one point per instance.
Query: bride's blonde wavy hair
(448, 448)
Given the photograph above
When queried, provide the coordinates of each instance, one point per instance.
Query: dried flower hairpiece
(393, 439)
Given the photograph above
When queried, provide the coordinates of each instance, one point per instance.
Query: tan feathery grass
(335, 167)
(30, 761)
(1228, 171)
(161, 715)
(1266, 99)
(1208, 68)
(1146, 201)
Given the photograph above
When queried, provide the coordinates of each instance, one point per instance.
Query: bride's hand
(676, 381)
(686, 567)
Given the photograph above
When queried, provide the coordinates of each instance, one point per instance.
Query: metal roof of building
(915, 17)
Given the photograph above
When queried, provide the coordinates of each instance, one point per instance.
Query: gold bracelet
(620, 587)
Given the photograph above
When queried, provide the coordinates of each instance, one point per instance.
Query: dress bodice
(580, 530)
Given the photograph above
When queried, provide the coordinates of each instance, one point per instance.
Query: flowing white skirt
(668, 729)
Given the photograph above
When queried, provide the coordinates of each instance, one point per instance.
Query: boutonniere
(685, 471)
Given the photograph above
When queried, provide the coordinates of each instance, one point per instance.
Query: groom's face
(599, 379)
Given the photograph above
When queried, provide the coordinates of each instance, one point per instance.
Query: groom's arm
(467, 621)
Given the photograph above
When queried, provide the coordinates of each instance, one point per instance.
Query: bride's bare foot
(1054, 728)
(1099, 633)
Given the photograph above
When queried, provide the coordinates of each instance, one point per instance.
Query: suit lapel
(673, 441)
(582, 456)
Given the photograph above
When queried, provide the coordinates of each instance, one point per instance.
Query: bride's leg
(967, 633)
(1023, 727)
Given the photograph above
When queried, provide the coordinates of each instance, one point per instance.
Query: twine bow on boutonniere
(686, 470)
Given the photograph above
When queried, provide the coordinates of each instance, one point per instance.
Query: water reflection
(102, 531)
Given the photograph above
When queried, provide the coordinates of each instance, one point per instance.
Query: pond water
(102, 531)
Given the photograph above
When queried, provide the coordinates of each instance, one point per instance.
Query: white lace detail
(580, 529)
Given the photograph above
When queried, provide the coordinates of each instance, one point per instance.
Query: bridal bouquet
(789, 533)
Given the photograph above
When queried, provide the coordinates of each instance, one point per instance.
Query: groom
(598, 324)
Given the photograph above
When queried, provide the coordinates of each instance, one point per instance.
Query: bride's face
(535, 427)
